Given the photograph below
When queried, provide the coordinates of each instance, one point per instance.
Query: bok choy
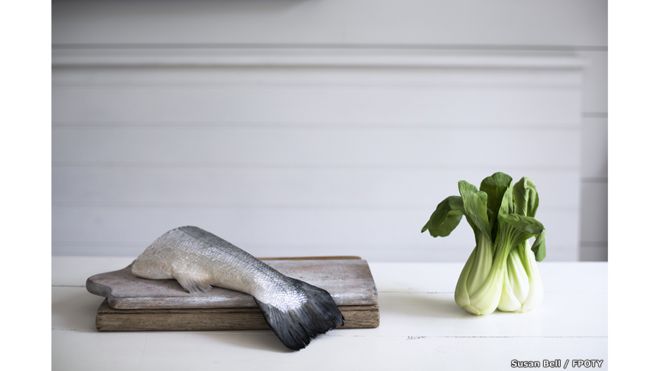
(501, 272)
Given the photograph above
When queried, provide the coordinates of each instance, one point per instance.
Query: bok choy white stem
(502, 271)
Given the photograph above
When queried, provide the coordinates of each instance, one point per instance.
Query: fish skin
(295, 310)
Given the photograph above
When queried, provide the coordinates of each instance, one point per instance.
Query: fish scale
(295, 310)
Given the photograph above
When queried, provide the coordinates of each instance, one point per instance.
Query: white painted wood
(347, 187)
(352, 141)
(225, 114)
(429, 278)
(301, 147)
(594, 148)
(374, 233)
(594, 212)
(252, 351)
(508, 22)
(361, 98)
(74, 270)
(421, 327)
(226, 65)
(376, 57)
(595, 81)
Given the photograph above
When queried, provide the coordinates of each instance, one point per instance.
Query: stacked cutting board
(137, 304)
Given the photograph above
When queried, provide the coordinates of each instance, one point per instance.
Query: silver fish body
(197, 259)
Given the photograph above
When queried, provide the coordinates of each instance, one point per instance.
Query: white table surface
(421, 328)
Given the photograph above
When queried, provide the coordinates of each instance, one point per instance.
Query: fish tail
(296, 327)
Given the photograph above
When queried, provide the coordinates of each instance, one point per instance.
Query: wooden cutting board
(137, 304)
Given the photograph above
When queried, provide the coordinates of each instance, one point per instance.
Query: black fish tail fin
(297, 326)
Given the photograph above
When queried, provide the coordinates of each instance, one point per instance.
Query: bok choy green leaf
(502, 271)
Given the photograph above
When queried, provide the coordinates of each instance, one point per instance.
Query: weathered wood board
(108, 319)
(136, 304)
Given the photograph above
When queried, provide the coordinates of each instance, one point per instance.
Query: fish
(296, 311)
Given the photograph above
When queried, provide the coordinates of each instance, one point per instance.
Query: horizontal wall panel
(594, 148)
(343, 67)
(281, 229)
(594, 99)
(594, 212)
(319, 104)
(286, 187)
(292, 147)
(557, 22)
(286, 153)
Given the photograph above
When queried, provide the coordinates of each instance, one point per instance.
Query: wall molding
(186, 57)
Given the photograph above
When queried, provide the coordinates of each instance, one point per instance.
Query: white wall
(593, 231)
(322, 127)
